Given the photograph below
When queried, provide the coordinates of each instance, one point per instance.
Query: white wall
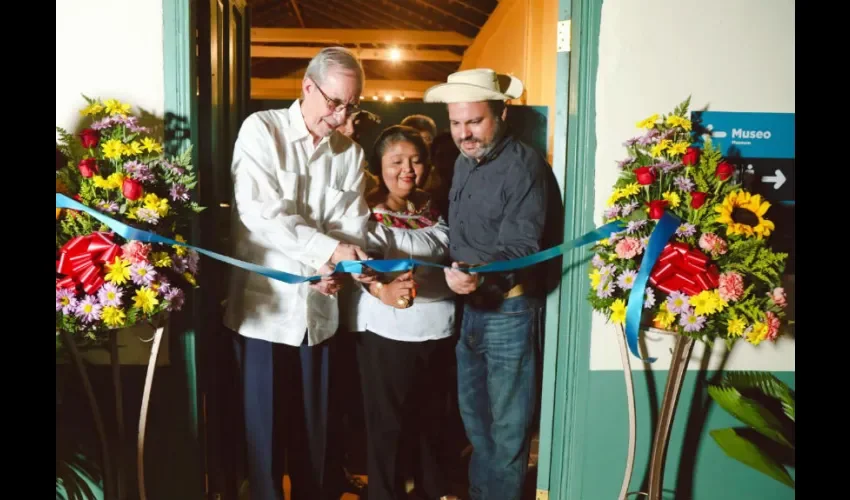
(731, 55)
(108, 49)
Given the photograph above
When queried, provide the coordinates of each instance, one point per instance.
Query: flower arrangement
(104, 282)
(717, 278)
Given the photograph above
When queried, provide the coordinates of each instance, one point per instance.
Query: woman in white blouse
(406, 322)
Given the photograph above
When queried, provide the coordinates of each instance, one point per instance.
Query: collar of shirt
(297, 131)
(494, 153)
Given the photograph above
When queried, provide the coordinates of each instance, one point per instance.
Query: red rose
(656, 208)
(132, 189)
(724, 171)
(645, 176)
(89, 138)
(88, 167)
(691, 156)
(697, 199)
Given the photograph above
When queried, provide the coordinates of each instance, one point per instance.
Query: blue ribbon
(664, 230)
(346, 266)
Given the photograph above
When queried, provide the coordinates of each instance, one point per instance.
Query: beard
(484, 148)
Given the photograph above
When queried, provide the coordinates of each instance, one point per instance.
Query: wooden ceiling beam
(356, 36)
(298, 13)
(290, 88)
(270, 51)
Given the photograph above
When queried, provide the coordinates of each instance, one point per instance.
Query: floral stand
(692, 258)
(114, 182)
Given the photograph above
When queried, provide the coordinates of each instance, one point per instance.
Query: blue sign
(748, 135)
(762, 147)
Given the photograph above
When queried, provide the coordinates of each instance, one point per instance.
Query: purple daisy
(147, 215)
(686, 229)
(629, 208)
(635, 225)
(109, 207)
(627, 279)
(612, 212)
(691, 322)
(172, 169)
(142, 273)
(631, 142)
(649, 137)
(139, 171)
(684, 184)
(103, 123)
(677, 302)
(179, 192)
(110, 295)
(89, 309)
(178, 264)
(65, 300)
(649, 302)
(175, 299)
(605, 288)
(626, 161)
(597, 261)
(667, 167)
(192, 261)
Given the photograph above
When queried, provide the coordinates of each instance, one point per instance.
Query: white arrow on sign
(778, 180)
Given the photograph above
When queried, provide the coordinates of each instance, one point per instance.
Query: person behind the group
(497, 212)
(299, 208)
(425, 125)
(406, 322)
(428, 129)
(353, 128)
(444, 152)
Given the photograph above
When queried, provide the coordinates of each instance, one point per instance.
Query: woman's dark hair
(390, 136)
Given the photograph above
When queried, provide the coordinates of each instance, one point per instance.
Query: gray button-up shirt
(497, 207)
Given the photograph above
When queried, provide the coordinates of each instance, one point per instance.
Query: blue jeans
(497, 381)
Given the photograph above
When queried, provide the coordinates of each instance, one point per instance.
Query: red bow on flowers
(81, 258)
(686, 269)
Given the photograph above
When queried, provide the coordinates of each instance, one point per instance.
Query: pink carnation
(772, 322)
(731, 286)
(710, 242)
(627, 248)
(136, 252)
(778, 297)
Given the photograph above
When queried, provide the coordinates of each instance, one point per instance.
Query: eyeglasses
(337, 105)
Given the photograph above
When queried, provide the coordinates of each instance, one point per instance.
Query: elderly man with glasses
(299, 208)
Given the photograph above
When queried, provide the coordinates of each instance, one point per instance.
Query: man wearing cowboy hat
(497, 212)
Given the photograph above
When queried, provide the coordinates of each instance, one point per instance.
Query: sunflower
(743, 213)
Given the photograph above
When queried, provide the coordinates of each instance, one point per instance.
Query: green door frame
(566, 362)
(181, 131)
(205, 51)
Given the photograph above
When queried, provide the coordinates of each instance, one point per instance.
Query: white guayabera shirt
(293, 203)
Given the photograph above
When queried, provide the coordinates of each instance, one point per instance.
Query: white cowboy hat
(475, 85)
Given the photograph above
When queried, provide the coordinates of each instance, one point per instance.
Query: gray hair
(334, 58)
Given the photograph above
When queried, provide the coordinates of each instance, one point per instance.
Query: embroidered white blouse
(432, 314)
(293, 203)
